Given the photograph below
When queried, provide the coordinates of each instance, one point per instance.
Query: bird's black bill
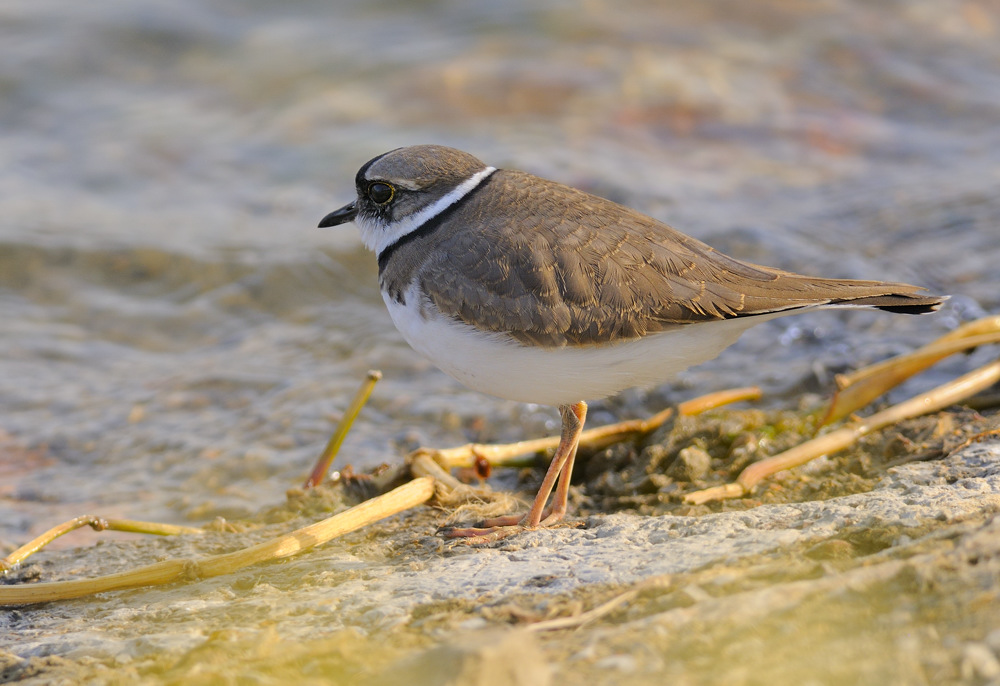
(345, 214)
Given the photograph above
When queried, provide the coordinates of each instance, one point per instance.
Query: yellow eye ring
(381, 193)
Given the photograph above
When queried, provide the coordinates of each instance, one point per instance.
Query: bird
(534, 291)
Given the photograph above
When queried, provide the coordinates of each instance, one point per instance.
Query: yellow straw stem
(592, 439)
(322, 467)
(406, 496)
(97, 524)
(835, 441)
(857, 389)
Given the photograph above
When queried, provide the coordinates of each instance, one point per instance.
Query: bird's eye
(380, 193)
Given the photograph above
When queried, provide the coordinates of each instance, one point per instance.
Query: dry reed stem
(326, 459)
(506, 454)
(835, 441)
(408, 495)
(858, 389)
(601, 610)
(97, 524)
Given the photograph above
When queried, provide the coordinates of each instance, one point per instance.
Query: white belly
(498, 365)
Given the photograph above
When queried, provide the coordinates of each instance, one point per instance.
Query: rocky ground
(880, 565)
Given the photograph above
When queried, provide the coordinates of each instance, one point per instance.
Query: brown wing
(569, 268)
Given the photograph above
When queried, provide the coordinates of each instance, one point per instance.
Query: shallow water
(177, 335)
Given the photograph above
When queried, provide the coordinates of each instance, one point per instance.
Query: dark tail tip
(900, 303)
(911, 309)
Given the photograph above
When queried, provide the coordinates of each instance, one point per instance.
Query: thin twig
(507, 454)
(326, 459)
(601, 610)
(406, 496)
(97, 524)
(859, 388)
(835, 441)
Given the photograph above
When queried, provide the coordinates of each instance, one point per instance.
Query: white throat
(378, 236)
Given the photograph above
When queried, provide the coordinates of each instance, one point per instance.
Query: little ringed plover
(530, 290)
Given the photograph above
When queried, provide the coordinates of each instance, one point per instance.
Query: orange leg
(560, 468)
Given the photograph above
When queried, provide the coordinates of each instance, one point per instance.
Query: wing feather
(568, 268)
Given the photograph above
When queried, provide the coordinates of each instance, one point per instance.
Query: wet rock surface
(894, 582)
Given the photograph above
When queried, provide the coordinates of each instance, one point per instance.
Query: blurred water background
(176, 336)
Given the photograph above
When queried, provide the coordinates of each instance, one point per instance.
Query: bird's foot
(484, 535)
(505, 520)
(498, 528)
